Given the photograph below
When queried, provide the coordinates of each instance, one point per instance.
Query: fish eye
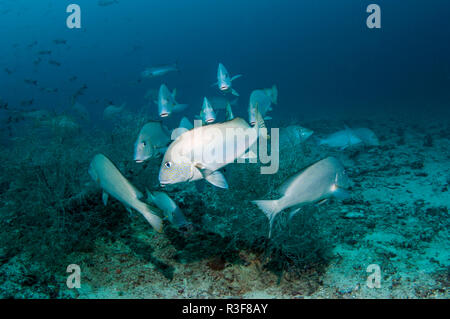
(144, 143)
(168, 164)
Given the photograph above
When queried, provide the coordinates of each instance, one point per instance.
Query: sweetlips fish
(315, 184)
(113, 183)
(201, 152)
(224, 80)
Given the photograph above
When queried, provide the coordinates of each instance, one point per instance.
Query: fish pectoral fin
(321, 202)
(295, 211)
(234, 92)
(267, 118)
(105, 198)
(214, 84)
(236, 77)
(217, 179)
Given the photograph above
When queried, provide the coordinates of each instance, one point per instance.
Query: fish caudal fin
(270, 208)
(154, 220)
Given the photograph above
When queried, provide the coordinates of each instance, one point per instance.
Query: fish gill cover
(361, 177)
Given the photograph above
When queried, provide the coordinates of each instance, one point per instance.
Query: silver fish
(224, 80)
(113, 183)
(159, 70)
(207, 114)
(167, 103)
(261, 101)
(315, 184)
(152, 141)
(294, 134)
(202, 151)
(342, 139)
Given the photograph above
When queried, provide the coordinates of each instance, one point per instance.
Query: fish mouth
(209, 120)
(223, 87)
(165, 114)
(139, 161)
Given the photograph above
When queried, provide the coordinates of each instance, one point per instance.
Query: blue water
(331, 70)
(320, 53)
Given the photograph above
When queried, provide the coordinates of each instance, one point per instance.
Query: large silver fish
(167, 103)
(113, 183)
(315, 184)
(342, 139)
(159, 70)
(224, 80)
(202, 151)
(294, 134)
(261, 100)
(207, 114)
(151, 142)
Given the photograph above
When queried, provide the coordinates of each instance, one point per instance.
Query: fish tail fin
(150, 216)
(270, 208)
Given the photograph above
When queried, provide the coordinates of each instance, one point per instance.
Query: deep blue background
(319, 52)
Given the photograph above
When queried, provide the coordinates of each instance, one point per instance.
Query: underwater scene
(198, 149)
